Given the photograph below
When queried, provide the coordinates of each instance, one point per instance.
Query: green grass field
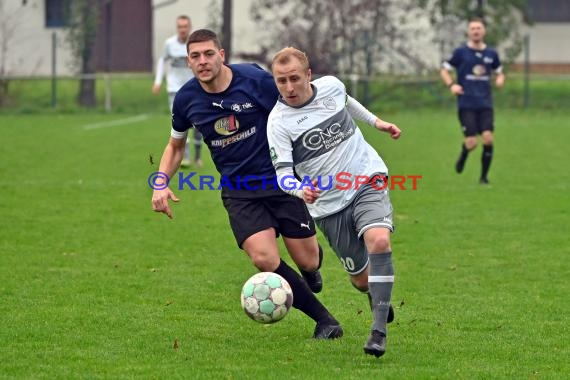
(96, 285)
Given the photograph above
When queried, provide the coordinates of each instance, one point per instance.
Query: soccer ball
(266, 297)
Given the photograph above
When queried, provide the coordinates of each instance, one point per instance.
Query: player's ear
(309, 75)
(223, 55)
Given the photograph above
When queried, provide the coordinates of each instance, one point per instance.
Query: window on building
(549, 10)
(57, 13)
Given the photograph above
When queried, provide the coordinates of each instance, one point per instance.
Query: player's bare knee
(308, 262)
(487, 138)
(378, 242)
(360, 283)
(470, 143)
(264, 261)
(306, 259)
(313, 263)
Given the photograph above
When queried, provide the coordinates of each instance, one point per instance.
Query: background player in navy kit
(474, 63)
(230, 106)
(178, 74)
(311, 129)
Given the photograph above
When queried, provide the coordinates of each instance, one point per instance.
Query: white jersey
(178, 72)
(321, 140)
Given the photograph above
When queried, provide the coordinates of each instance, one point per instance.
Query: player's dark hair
(476, 19)
(202, 35)
(183, 17)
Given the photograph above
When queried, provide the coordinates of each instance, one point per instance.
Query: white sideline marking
(114, 123)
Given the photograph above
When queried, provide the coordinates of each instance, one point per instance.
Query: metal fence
(131, 93)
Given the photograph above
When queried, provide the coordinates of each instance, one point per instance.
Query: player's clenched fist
(388, 127)
(160, 201)
(310, 194)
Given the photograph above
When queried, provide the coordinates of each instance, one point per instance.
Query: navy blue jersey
(233, 122)
(474, 72)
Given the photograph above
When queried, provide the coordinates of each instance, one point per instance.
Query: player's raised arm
(500, 80)
(499, 74)
(359, 112)
(169, 163)
(159, 71)
(446, 68)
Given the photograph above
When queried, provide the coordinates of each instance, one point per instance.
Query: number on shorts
(348, 263)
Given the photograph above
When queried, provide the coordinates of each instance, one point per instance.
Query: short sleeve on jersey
(496, 65)
(266, 92)
(280, 145)
(454, 61)
(180, 125)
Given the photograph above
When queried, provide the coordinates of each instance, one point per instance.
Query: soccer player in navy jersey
(229, 105)
(474, 63)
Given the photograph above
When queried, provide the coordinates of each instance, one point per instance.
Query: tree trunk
(86, 96)
(227, 29)
(4, 91)
(480, 9)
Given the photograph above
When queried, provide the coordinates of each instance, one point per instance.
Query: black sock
(464, 153)
(303, 298)
(462, 158)
(486, 160)
(197, 149)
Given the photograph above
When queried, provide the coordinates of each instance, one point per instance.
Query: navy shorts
(252, 211)
(476, 121)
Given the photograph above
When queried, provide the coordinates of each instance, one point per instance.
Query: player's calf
(360, 283)
(308, 260)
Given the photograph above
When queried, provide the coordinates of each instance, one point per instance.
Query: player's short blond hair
(284, 55)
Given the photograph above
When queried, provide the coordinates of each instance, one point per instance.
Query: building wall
(124, 37)
(164, 21)
(30, 49)
(128, 47)
(548, 43)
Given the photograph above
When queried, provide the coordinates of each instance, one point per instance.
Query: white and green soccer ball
(266, 297)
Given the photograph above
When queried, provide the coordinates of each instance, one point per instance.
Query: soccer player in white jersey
(178, 74)
(311, 129)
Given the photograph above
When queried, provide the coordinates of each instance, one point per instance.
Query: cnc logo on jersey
(327, 138)
(488, 60)
(236, 107)
(227, 125)
(479, 70)
(329, 103)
